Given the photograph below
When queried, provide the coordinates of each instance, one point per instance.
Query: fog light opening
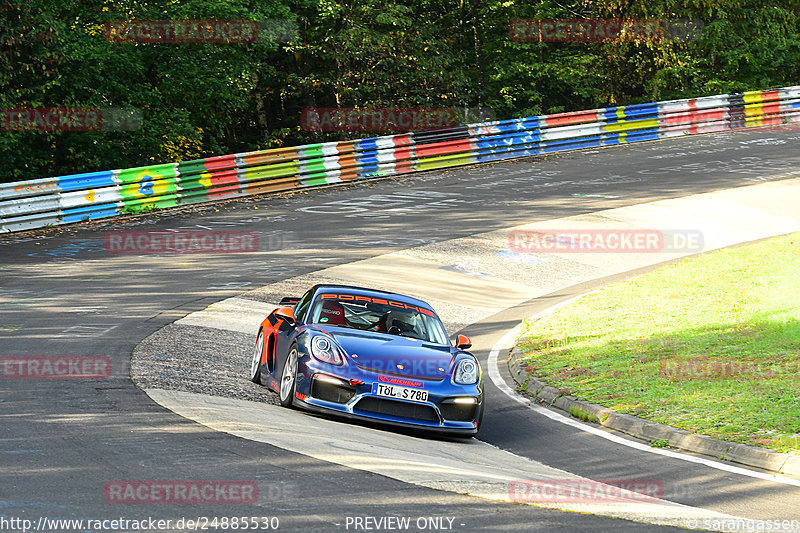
(467, 401)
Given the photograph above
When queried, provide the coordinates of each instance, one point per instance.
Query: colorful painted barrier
(95, 195)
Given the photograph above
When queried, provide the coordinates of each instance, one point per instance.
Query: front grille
(331, 392)
(459, 412)
(395, 408)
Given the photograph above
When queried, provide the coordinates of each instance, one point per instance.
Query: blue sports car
(370, 355)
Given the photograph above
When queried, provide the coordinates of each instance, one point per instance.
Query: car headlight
(322, 349)
(466, 372)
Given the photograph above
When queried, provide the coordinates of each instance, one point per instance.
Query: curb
(781, 463)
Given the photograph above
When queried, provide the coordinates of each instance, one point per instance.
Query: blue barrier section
(97, 195)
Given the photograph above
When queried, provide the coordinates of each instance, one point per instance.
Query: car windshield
(378, 314)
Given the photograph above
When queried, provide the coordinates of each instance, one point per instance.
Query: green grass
(577, 412)
(710, 345)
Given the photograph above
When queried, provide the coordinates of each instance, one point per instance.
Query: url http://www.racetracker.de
(199, 523)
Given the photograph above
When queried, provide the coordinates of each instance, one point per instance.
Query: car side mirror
(463, 342)
(286, 313)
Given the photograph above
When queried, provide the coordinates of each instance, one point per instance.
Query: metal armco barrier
(66, 199)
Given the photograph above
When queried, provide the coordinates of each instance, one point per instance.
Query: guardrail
(95, 195)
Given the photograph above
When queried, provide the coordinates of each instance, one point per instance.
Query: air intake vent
(400, 409)
(458, 412)
(331, 392)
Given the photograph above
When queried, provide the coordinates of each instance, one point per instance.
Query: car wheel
(289, 378)
(255, 365)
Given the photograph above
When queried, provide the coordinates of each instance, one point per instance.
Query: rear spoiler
(289, 300)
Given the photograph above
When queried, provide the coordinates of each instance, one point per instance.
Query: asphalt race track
(63, 294)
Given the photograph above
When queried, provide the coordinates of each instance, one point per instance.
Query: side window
(302, 306)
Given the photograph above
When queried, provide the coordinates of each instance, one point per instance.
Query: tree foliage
(203, 99)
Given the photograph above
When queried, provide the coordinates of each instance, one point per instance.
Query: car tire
(288, 383)
(255, 364)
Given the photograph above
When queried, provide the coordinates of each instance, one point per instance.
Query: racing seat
(382, 328)
(395, 319)
(334, 312)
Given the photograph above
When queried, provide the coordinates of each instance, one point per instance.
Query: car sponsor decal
(356, 298)
(301, 397)
(401, 381)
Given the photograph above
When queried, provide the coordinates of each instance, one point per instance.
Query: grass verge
(710, 345)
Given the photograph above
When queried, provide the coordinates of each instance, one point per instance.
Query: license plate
(400, 393)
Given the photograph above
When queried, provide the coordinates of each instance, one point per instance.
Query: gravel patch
(198, 359)
(216, 360)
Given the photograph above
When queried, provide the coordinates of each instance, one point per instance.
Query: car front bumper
(347, 392)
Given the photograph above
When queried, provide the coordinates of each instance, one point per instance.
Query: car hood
(394, 355)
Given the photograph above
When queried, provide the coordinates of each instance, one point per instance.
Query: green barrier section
(147, 188)
(35, 203)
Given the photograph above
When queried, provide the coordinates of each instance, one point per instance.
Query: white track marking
(494, 373)
(467, 467)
